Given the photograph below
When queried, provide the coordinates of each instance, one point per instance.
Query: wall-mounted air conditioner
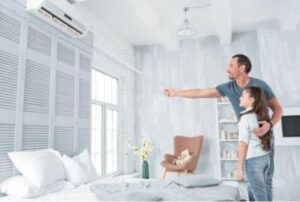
(56, 16)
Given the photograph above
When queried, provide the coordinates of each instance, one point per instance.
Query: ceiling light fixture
(186, 29)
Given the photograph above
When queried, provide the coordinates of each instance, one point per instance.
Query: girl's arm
(243, 147)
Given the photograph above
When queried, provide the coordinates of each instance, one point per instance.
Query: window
(104, 144)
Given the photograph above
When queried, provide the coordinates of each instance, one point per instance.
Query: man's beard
(230, 77)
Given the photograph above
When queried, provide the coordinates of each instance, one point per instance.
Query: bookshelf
(227, 131)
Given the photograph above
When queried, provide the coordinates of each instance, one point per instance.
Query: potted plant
(143, 152)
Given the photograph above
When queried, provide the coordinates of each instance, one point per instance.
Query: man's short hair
(243, 60)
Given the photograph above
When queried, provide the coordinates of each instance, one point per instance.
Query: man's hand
(263, 129)
(240, 174)
(170, 92)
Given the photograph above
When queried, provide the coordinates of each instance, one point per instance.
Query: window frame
(108, 106)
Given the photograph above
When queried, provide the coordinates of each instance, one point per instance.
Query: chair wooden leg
(178, 173)
(193, 172)
(186, 172)
(165, 173)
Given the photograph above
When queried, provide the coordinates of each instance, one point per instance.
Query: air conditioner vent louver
(57, 17)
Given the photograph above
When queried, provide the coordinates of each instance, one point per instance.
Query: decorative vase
(145, 170)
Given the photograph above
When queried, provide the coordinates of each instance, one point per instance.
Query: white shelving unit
(227, 131)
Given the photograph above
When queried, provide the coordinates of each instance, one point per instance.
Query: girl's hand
(240, 175)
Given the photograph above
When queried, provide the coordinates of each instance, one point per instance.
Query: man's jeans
(271, 173)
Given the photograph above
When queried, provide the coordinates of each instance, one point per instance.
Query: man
(238, 69)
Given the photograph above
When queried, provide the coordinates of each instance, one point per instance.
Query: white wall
(108, 46)
(126, 120)
(280, 62)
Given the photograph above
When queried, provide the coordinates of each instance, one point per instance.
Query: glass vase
(145, 170)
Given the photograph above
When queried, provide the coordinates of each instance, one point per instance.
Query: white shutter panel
(7, 142)
(10, 32)
(8, 80)
(64, 140)
(37, 87)
(35, 124)
(10, 28)
(65, 54)
(64, 131)
(64, 104)
(84, 98)
(85, 63)
(35, 137)
(39, 42)
(84, 139)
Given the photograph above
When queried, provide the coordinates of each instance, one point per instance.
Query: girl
(253, 150)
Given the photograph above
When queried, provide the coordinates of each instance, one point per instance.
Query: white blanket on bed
(81, 193)
(169, 191)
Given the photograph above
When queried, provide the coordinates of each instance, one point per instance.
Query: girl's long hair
(260, 108)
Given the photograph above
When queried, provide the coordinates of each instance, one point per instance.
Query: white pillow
(76, 172)
(84, 158)
(41, 167)
(134, 196)
(19, 186)
(79, 169)
(190, 181)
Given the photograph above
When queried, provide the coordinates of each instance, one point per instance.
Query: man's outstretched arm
(193, 93)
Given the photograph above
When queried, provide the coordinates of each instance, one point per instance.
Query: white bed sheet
(169, 190)
(81, 193)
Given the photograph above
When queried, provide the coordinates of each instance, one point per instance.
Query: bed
(48, 176)
(133, 190)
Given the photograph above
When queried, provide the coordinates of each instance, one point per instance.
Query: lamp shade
(186, 30)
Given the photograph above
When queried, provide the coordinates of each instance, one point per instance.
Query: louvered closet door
(64, 104)
(65, 99)
(10, 32)
(7, 140)
(64, 140)
(35, 137)
(84, 99)
(84, 102)
(44, 87)
(35, 130)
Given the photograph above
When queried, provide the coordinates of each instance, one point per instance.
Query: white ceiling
(142, 22)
